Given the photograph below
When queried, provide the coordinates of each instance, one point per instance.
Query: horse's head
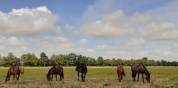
(148, 76)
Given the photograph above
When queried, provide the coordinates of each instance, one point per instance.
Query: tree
(91, 61)
(107, 62)
(43, 61)
(0, 60)
(9, 60)
(100, 61)
(29, 59)
(57, 59)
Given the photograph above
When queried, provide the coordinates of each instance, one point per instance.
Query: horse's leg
(82, 77)
(133, 75)
(8, 77)
(120, 78)
(60, 76)
(14, 77)
(138, 76)
(51, 77)
(143, 77)
(56, 76)
(18, 75)
(78, 75)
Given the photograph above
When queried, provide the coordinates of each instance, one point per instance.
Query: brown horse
(55, 70)
(14, 70)
(140, 69)
(120, 72)
(81, 68)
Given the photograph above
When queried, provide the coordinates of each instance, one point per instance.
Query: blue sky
(109, 28)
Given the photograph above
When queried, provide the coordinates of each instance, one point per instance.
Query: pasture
(97, 77)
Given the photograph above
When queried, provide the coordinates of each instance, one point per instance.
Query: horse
(81, 68)
(140, 69)
(14, 70)
(55, 70)
(120, 72)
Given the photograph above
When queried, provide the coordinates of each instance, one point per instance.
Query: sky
(109, 28)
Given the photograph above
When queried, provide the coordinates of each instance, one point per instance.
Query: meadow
(97, 77)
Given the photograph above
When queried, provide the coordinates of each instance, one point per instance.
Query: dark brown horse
(140, 69)
(55, 70)
(15, 71)
(81, 68)
(120, 72)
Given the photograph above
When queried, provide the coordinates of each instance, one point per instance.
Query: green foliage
(29, 59)
(43, 61)
(9, 60)
(57, 59)
(71, 59)
(100, 61)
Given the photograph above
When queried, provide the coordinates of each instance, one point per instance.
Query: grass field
(97, 77)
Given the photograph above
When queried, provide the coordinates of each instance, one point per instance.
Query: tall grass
(97, 77)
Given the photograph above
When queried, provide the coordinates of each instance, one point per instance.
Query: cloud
(137, 25)
(167, 11)
(14, 41)
(83, 41)
(108, 26)
(26, 21)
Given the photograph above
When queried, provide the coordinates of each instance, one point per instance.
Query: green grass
(97, 77)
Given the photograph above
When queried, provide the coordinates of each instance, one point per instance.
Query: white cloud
(14, 41)
(108, 26)
(138, 25)
(83, 41)
(130, 42)
(27, 21)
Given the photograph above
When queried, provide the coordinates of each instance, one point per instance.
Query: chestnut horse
(120, 72)
(140, 69)
(81, 68)
(55, 70)
(14, 70)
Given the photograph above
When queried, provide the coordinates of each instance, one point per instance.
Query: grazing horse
(81, 68)
(140, 69)
(120, 72)
(14, 70)
(55, 70)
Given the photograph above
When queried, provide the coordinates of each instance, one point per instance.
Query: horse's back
(14, 70)
(138, 68)
(81, 68)
(120, 68)
(84, 68)
(55, 70)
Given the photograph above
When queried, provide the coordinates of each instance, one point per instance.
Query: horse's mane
(147, 72)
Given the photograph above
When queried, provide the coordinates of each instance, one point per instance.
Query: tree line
(30, 59)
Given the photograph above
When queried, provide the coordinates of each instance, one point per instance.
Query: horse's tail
(22, 70)
(7, 77)
(62, 74)
(86, 69)
(133, 74)
(123, 73)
